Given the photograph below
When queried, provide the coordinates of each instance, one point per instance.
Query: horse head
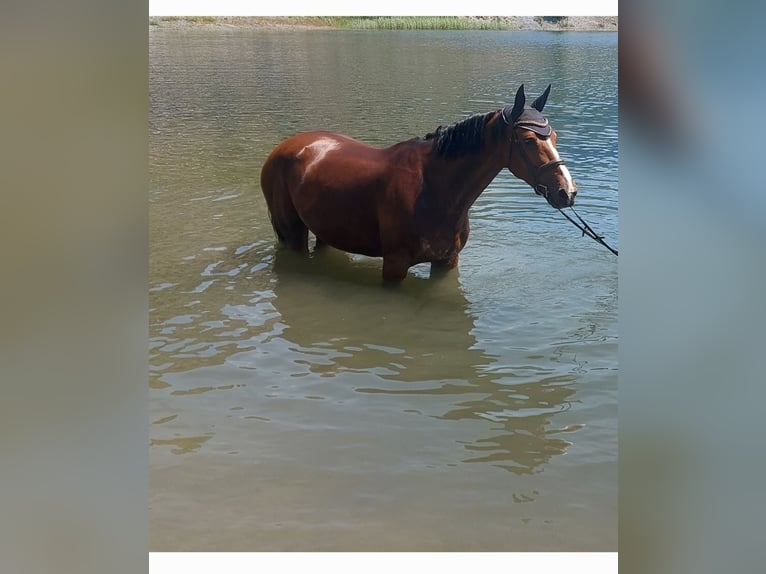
(533, 156)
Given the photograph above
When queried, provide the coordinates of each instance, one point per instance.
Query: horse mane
(463, 137)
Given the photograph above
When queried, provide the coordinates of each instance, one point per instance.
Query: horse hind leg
(288, 226)
(290, 230)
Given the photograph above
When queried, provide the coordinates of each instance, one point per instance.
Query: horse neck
(454, 184)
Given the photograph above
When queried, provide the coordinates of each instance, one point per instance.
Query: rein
(586, 229)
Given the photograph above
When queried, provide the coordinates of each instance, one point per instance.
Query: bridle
(536, 171)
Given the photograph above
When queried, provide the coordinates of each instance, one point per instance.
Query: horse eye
(529, 141)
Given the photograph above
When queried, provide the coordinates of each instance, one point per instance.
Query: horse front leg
(395, 266)
(441, 266)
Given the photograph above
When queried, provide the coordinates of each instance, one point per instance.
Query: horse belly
(344, 219)
(352, 241)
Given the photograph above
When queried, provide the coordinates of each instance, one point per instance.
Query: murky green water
(296, 404)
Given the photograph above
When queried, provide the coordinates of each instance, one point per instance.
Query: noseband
(536, 171)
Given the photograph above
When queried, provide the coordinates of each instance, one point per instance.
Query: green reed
(417, 23)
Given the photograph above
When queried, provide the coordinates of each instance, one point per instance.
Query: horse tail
(287, 224)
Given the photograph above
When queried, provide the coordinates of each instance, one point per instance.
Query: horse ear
(539, 103)
(518, 104)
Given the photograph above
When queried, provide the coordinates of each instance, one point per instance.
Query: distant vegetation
(418, 23)
(188, 19)
(554, 23)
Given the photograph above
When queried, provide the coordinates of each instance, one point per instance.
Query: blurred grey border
(692, 214)
(73, 341)
(74, 280)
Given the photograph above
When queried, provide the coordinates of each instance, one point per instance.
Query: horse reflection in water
(408, 203)
(418, 342)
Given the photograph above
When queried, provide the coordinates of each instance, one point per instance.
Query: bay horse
(408, 203)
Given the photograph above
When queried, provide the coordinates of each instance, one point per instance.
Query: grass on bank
(372, 22)
(276, 21)
(417, 23)
(190, 19)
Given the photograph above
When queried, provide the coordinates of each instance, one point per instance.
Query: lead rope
(586, 229)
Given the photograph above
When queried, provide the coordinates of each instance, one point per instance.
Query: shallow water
(296, 404)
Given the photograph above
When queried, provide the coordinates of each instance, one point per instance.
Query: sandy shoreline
(570, 23)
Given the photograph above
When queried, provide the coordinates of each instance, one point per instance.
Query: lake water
(295, 405)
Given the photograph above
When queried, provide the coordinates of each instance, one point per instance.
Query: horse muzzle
(557, 196)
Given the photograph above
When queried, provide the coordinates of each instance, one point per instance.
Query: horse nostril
(565, 198)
